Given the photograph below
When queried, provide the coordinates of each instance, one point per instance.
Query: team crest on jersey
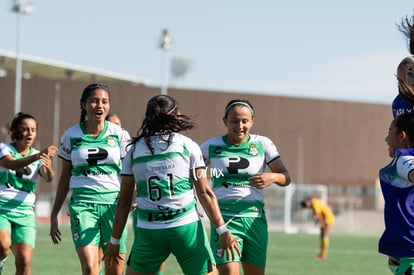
(65, 149)
(111, 142)
(253, 149)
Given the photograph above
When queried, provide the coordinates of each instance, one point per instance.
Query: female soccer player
(166, 166)
(239, 160)
(324, 216)
(404, 101)
(397, 185)
(91, 153)
(20, 166)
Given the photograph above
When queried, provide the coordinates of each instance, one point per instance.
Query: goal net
(283, 209)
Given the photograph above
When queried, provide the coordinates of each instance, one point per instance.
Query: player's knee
(5, 245)
(23, 263)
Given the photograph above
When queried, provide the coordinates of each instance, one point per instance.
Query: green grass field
(288, 254)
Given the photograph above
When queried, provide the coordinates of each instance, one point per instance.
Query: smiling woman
(241, 158)
(91, 153)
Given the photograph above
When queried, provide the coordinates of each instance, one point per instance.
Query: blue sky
(341, 50)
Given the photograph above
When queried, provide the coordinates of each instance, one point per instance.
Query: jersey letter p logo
(95, 154)
(237, 163)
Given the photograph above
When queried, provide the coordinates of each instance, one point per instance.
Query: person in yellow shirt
(323, 215)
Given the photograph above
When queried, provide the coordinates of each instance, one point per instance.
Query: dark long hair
(162, 117)
(86, 94)
(14, 128)
(405, 122)
(407, 28)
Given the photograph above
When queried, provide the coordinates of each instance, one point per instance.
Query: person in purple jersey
(401, 103)
(404, 101)
(397, 185)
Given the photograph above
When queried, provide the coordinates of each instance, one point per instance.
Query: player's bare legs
(23, 255)
(250, 269)
(5, 244)
(232, 268)
(89, 259)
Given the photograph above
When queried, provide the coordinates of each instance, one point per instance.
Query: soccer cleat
(320, 257)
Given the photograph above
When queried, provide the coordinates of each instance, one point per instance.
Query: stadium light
(180, 66)
(165, 45)
(20, 7)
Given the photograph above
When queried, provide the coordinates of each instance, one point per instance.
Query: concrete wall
(339, 144)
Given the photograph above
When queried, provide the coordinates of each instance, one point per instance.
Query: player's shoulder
(317, 201)
(217, 140)
(5, 147)
(259, 138)
(74, 130)
(113, 128)
(183, 138)
(34, 151)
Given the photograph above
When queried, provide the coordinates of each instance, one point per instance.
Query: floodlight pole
(20, 7)
(165, 45)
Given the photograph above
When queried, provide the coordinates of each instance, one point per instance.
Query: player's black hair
(17, 121)
(405, 122)
(86, 94)
(109, 115)
(162, 117)
(407, 28)
(303, 204)
(238, 102)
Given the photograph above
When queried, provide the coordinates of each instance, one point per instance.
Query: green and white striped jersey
(17, 187)
(96, 162)
(230, 169)
(165, 195)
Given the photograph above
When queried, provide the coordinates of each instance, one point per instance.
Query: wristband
(222, 229)
(114, 241)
